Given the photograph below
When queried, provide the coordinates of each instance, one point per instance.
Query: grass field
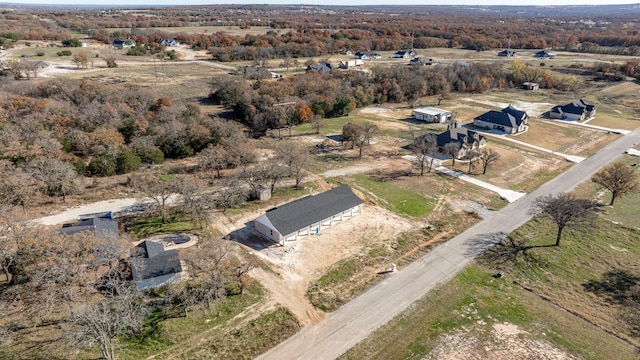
(558, 295)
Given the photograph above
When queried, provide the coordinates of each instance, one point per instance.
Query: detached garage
(308, 215)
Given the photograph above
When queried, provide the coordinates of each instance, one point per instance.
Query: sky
(325, 2)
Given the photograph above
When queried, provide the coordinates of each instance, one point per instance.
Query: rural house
(422, 61)
(123, 44)
(527, 85)
(544, 54)
(466, 140)
(366, 55)
(432, 115)
(509, 120)
(308, 215)
(575, 111)
(320, 67)
(507, 52)
(404, 54)
(105, 228)
(152, 266)
(169, 42)
(350, 64)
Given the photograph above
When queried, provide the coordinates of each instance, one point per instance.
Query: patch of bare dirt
(294, 266)
(504, 341)
(533, 109)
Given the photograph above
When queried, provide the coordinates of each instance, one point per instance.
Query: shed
(432, 115)
(308, 215)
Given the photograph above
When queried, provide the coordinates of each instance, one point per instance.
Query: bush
(71, 43)
(127, 161)
(64, 53)
(103, 165)
(150, 155)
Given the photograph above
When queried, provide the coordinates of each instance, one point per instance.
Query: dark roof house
(308, 215)
(366, 55)
(152, 266)
(467, 140)
(123, 44)
(320, 67)
(423, 61)
(507, 52)
(169, 42)
(509, 120)
(405, 54)
(575, 110)
(104, 228)
(544, 54)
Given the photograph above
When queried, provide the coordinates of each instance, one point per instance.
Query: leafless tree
(619, 178)
(100, 321)
(16, 232)
(425, 147)
(213, 158)
(471, 157)
(57, 176)
(317, 122)
(158, 188)
(565, 210)
(81, 59)
(230, 193)
(17, 187)
(488, 157)
(295, 158)
(452, 150)
(196, 198)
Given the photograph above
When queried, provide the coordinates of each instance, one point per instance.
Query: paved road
(354, 321)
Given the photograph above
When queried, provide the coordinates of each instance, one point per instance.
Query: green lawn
(575, 296)
(397, 199)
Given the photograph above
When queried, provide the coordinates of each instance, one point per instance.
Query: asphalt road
(354, 321)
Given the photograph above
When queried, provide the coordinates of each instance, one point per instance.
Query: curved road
(354, 321)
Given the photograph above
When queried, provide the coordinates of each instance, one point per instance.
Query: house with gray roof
(320, 67)
(465, 139)
(308, 215)
(123, 44)
(508, 120)
(405, 54)
(152, 266)
(574, 111)
(105, 228)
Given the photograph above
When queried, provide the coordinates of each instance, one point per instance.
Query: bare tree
(619, 178)
(317, 122)
(16, 232)
(471, 157)
(452, 150)
(213, 158)
(57, 176)
(158, 188)
(231, 193)
(101, 321)
(425, 147)
(195, 198)
(565, 210)
(17, 187)
(295, 158)
(488, 157)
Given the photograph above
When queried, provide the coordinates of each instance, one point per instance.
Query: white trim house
(308, 215)
(432, 115)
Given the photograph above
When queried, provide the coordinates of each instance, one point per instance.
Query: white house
(432, 115)
(308, 215)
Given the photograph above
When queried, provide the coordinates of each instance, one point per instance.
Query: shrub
(64, 53)
(103, 165)
(127, 161)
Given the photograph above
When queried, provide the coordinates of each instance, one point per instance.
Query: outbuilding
(308, 215)
(432, 115)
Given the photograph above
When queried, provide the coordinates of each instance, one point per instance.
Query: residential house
(509, 120)
(256, 73)
(465, 139)
(575, 111)
(38, 65)
(169, 42)
(507, 53)
(351, 64)
(105, 228)
(320, 67)
(432, 115)
(530, 86)
(422, 61)
(544, 54)
(152, 266)
(367, 55)
(405, 54)
(308, 215)
(123, 44)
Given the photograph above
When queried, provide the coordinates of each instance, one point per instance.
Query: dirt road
(353, 322)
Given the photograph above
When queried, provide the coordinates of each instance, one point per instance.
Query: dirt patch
(504, 341)
(294, 266)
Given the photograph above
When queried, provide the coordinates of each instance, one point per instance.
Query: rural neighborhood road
(353, 322)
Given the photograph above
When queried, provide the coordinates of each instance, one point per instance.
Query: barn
(308, 215)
